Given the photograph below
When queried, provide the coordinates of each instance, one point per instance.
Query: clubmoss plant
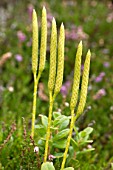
(74, 96)
(35, 57)
(56, 76)
(54, 86)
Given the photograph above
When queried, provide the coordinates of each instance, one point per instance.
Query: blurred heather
(90, 21)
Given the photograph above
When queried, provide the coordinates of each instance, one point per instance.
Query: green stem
(68, 139)
(36, 80)
(34, 106)
(49, 125)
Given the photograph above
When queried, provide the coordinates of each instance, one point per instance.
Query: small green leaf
(82, 134)
(71, 152)
(41, 142)
(75, 163)
(61, 121)
(47, 166)
(69, 168)
(53, 129)
(44, 120)
(57, 121)
(64, 124)
(85, 134)
(58, 155)
(61, 144)
(74, 144)
(88, 130)
(61, 134)
(41, 130)
(85, 142)
(85, 151)
(56, 114)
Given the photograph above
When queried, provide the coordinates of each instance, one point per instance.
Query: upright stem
(34, 106)
(68, 139)
(49, 125)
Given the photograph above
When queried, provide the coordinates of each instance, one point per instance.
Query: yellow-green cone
(76, 80)
(53, 51)
(83, 94)
(34, 42)
(43, 41)
(60, 68)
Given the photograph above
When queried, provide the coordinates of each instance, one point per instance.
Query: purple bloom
(100, 77)
(51, 157)
(29, 43)
(67, 84)
(30, 10)
(76, 33)
(82, 67)
(18, 57)
(49, 17)
(99, 94)
(71, 35)
(65, 88)
(106, 64)
(21, 36)
(63, 91)
(102, 74)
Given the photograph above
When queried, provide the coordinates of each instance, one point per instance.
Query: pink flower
(76, 33)
(99, 78)
(18, 57)
(30, 11)
(65, 88)
(21, 36)
(99, 94)
(106, 64)
(49, 19)
(51, 157)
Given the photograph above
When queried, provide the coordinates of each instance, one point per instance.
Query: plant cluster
(50, 132)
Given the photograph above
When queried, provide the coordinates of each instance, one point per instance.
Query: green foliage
(59, 137)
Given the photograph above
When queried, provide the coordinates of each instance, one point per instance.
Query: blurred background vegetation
(90, 21)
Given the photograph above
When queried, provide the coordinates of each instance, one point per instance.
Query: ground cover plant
(93, 24)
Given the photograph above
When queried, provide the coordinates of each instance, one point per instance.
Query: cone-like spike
(76, 80)
(43, 41)
(60, 68)
(34, 42)
(53, 51)
(83, 94)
